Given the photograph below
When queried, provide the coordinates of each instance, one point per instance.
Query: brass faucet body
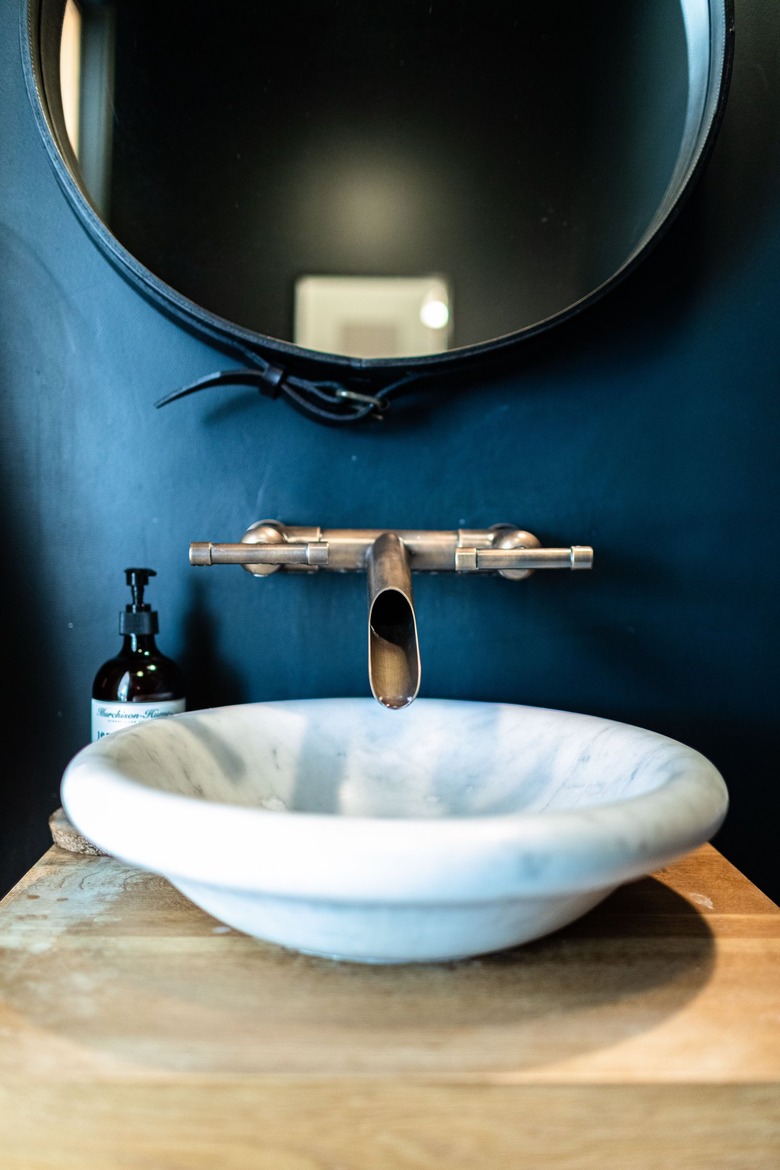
(389, 557)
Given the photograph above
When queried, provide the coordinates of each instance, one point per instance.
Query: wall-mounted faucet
(389, 558)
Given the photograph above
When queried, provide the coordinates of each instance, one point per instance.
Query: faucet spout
(393, 649)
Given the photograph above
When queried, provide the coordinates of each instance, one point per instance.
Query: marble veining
(449, 829)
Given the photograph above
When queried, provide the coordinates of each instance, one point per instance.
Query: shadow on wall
(210, 681)
(746, 756)
(36, 725)
(30, 745)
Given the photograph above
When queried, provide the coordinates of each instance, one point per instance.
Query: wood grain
(135, 1031)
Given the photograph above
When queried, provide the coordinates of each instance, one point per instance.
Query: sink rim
(327, 856)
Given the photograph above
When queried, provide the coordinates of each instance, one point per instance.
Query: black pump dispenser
(138, 617)
(140, 682)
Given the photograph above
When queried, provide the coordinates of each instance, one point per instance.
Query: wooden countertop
(137, 1032)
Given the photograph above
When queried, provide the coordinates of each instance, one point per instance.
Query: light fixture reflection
(435, 313)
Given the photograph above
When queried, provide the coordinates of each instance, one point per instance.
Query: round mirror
(376, 187)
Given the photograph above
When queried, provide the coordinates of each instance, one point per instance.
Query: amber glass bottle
(140, 682)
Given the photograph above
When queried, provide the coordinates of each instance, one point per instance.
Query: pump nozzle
(138, 579)
(138, 617)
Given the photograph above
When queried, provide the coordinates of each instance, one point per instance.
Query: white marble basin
(447, 830)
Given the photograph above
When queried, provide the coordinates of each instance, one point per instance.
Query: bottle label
(108, 717)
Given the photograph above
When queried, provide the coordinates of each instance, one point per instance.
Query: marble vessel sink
(336, 827)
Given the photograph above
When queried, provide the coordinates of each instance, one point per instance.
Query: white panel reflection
(70, 72)
(373, 316)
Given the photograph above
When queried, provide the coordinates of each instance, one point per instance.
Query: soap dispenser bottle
(140, 682)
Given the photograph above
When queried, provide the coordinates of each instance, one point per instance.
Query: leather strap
(327, 402)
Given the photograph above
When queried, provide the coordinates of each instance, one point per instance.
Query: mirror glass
(511, 154)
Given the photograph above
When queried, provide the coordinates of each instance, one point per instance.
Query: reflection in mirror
(522, 148)
(373, 316)
(87, 58)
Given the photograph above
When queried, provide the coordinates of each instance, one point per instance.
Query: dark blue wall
(649, 429)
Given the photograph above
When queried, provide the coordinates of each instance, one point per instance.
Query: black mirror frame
(333, 388)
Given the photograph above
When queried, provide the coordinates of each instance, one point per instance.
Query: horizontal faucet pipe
(269, 545)
(206, 553)
(320, 554)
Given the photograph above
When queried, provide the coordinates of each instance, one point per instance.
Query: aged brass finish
(393, 649)
(389, 558)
